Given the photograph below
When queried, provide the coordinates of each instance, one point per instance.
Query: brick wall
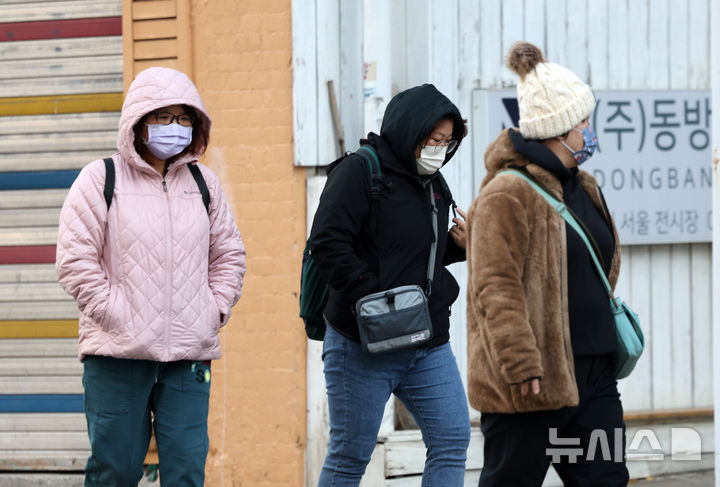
(241, 55)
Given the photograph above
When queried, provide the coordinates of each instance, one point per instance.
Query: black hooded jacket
(356, 260)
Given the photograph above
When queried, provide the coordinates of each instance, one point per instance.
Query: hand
(532, 384)
(457, 231)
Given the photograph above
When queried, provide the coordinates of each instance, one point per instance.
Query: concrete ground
(701, 479)
(698, 479)
(695, 479)
(51, 480)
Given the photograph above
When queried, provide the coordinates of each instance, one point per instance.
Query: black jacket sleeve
(343, 212)
(453, 252)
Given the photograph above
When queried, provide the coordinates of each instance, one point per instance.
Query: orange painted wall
(242, 54)
(241, 58)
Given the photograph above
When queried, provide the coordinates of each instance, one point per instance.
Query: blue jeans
(428, 383)
(119, 396)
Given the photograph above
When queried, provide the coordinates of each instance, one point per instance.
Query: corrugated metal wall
(61, 81)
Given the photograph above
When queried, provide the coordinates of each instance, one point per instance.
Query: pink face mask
(165, 141)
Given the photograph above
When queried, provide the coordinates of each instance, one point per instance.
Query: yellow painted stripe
(39, 329)
(43, 105)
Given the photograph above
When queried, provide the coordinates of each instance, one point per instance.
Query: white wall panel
(418, 33)
(661, 326)
(636, 390)
(350, 89)
(597, 42)
(512, 31)
(658, 45)
(492, 57)
(317, 421)
(327, 45)
(618, 61)
(555, 31)
(534, 20)
(638, 43)
(681, 325)
(305, 82)
(698, 47)
(576, 47)
(328, 68)
(678, 60)
(701, 331)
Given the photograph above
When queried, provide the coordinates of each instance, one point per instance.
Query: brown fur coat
(518, 319)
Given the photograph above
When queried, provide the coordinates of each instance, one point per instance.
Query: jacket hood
(155, 88)
(409, 118)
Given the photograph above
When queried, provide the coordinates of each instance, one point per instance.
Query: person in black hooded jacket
(421, 131)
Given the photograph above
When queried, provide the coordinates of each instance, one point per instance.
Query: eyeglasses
(437, 147)
(166, 118)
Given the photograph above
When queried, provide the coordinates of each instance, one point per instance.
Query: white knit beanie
(552, 99)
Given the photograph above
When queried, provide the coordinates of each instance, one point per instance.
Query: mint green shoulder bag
(628, 334)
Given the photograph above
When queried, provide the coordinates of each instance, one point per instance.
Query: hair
(460, 129)
(200, 137)
(562, 136)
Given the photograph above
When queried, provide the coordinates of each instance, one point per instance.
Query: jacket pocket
(114, 311)
(214, 313)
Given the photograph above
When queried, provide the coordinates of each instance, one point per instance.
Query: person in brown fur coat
(540, 330)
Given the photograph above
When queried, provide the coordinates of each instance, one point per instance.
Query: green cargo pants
(119, 397)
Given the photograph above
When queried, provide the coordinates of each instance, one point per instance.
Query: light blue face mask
(591, 143)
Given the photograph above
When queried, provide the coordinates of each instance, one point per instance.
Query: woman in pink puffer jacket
(155, 276)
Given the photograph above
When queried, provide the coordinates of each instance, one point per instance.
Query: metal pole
(715, 80)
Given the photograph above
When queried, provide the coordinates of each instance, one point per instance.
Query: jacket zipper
(169, 264)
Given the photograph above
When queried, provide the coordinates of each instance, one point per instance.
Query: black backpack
(109, 187)
(313, 289)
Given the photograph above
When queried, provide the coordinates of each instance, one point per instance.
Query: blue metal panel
(41, 403)
(37, 179)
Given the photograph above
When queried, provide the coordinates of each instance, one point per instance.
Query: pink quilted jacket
(153, 275)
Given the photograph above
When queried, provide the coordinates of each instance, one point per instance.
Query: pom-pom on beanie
(551, 98)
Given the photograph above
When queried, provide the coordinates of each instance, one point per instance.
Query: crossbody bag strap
(562, 208)
(368, 153)
(433, 247)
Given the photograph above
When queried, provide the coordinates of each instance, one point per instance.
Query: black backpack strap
(202, 186)
(367, 152)
(109, 187)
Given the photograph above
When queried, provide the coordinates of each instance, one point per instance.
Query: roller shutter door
(61, 81)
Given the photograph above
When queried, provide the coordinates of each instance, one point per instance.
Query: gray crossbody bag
(399, 317)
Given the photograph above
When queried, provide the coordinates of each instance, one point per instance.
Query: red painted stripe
(30, 254)
(60, 29)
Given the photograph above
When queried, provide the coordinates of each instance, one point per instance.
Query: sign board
(653, 163)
